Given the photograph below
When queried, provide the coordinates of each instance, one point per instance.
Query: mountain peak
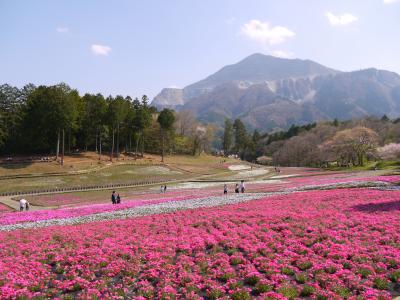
(258, 68)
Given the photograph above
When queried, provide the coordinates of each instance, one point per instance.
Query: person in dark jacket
(113, 198)
(118, 199)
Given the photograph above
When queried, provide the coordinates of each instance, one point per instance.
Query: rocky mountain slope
(268, 92)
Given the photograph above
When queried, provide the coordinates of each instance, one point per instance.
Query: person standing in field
(23, 204)
(237, 188)
(113, 198)
(242, 188)
(118, 199)
(165, 189)
(162, 189)
(225, 189)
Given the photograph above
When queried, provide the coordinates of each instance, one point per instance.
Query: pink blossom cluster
(4, 208)
(323, 180)
(77, 211)
(79, 200)
(332, 244)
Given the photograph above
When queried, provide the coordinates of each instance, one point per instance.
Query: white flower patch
(238, 167)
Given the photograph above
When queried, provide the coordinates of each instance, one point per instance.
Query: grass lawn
(111, 175)
(123, 171)
(370, 165)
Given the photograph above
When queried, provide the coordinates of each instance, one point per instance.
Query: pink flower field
(4, 208)
(332, 244)
(69, 212)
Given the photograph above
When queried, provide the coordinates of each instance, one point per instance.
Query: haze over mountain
(267, 92)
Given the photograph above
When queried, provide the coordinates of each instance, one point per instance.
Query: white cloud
(282, 54)
(340, 20)
(62, 29)
(100, 49)
(262, 32)
(390, 1)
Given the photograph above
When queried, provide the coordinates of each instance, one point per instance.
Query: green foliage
(381, 283)
(287, 271)
(241, 295)
(288, 291)
(166, 119)
(307, 291)
(48, 110)
(292, 131)
(300, 278)
(228, 136)
(31, 119)
(395, 275)
(262, 288)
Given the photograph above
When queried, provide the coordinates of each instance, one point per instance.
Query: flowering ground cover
(104, 196)
(323, 181)
(70, 212)
(178, 195)
(330, 244)
(4, 208)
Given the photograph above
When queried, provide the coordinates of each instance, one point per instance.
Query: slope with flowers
(319, 244)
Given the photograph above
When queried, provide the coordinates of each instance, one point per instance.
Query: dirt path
(14, 204)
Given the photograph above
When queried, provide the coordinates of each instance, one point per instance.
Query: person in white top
(242, 188)
(23, 203)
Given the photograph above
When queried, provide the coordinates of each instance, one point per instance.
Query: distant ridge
(269, 92)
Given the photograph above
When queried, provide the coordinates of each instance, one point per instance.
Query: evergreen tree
(166, 119)
(228, 136)
(241, 138)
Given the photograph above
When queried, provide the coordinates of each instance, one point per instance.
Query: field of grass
(40, 176)
(111, 175)
(370, 165)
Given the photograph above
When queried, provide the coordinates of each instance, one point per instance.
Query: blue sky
(139, 47)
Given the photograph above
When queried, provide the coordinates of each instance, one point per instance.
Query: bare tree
(186, 122)
(352, 145)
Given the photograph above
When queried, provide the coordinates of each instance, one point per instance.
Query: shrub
(300, 278)
(389, 151)
(307, 291)
(395, 276)
(262, 288)
(287, 271)
(289, 292)
(305, 265)
(215, 294)
(252, 280)
(381, 283)
(364, 272)
(241, 295)
(342, 291)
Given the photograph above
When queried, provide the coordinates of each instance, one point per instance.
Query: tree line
(338, 143)
(57, 120)
(326, 143)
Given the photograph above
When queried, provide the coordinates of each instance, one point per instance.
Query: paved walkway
(14, 204)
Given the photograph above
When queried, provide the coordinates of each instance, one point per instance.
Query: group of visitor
(115, 198)
(23, 204)
(239, 188)
(163, 189)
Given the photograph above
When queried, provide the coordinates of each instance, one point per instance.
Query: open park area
(300, 233)
(199, 150)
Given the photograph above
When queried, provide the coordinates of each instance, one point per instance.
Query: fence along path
(86, 188)
(6, 198)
